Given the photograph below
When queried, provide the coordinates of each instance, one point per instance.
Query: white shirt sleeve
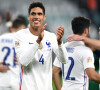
(25, 54)
(88, 59)
(57, 63)
(59, 50)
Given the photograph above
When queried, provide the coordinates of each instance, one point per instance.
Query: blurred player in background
(34, 47)
(80, 65)
(8, 64)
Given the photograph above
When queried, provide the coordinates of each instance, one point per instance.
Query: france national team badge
(40, 46)
(89, 59)
(17, 43)
(49, 45)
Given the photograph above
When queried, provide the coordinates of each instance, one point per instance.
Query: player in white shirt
(8, 68)
(34, 47)
(80, 63)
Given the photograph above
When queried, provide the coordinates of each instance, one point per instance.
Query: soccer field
(54, 88)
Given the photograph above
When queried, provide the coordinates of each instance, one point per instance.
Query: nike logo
(31, 43)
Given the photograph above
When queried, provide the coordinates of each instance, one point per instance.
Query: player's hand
(59, 34)
(74, 37)
(41, 33)
(3, 68)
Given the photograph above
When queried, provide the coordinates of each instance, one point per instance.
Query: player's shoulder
(78, 46)
(22, 31)
(49, 34)
(84, 50)
(21, 34)
(6, 35)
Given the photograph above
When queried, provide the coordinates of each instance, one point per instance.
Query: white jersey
(73, 73)
(36, 60)
(7, 54)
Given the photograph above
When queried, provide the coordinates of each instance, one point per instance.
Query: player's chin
(36, 26)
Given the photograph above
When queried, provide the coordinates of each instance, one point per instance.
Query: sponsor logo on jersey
(89, 59)
(17, 43)
(31, 43)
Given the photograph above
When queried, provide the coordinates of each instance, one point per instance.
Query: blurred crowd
(91, 7)
(6, 21)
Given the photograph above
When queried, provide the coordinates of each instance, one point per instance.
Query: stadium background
(58, 12)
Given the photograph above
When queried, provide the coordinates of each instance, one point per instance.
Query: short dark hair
(36, 4)
(18, 22)
(79, 24)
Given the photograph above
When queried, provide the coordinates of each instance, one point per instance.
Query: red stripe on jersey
(21, 78)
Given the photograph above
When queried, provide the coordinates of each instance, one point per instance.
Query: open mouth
(36, 21)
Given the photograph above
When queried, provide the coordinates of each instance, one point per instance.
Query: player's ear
(86, 31)
(44, 18)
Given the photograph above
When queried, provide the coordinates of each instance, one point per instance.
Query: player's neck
(34, 31)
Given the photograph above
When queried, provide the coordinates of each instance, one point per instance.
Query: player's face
(36, 17)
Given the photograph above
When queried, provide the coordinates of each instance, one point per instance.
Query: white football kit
(80, 58)
(8, 79)
(36, 60)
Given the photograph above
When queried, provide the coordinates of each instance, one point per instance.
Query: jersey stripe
(85, 81)
(21, 76)
(63, 70)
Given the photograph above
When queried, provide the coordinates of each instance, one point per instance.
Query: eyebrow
(37, 13)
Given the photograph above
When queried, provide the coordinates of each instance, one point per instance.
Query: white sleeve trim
(62, 54)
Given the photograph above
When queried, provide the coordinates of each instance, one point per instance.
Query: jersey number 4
(41, 59)
(69, 70)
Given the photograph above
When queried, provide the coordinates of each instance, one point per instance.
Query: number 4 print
(41, 59)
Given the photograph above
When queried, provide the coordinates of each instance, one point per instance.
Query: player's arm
(56, 77)
(93, 75)
(58, 46)
(88, 62)
(25, 54)
(3, 68)
(93, 42)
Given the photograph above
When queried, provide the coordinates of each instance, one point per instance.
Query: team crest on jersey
(49, 45)
(17, 43)
(89, 59)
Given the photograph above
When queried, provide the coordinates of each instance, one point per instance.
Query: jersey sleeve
(57, 63)
(59, 50)
(88, 59)
(24, 53)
